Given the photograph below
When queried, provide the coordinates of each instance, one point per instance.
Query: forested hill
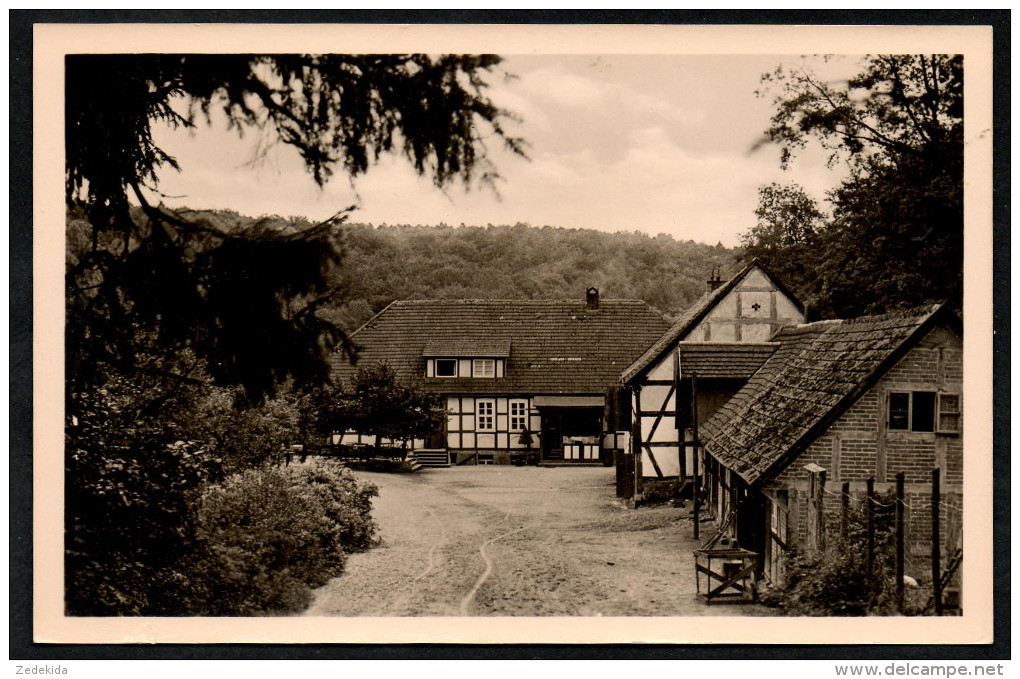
(521, 262)
(381, 264)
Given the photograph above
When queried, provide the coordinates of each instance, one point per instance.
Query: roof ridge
(476, 300)
(896, 314)
(374, 317)
(694, 314)
(913, 314)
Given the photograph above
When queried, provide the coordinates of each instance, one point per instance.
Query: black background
(21, 644)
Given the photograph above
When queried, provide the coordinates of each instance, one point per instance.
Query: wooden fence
(926, 533)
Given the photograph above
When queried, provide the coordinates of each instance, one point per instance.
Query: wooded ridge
(384, 263)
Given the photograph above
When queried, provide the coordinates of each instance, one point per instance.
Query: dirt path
(521, 541)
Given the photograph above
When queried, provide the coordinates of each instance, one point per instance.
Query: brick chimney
(591, 302)
(715, 281)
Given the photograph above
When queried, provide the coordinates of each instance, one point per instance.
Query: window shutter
(950, 412)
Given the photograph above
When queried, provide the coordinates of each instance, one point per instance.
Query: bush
(244, 435)
(833, 583)
(836, 581)
(345, 501)
(659, 492)
(130, 486)
(152, 527)
(268, 537)
(382, 466)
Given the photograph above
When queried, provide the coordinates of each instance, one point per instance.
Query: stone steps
(430, 457)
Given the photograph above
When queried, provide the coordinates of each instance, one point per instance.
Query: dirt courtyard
(518, 541)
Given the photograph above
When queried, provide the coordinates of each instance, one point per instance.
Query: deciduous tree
(896, 234)
(787, 235)
(380, 405)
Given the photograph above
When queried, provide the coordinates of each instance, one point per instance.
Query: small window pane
(923, 414)
(899, 410)
(446, 368)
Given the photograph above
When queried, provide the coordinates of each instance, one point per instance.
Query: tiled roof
(691, 318)
(816, 373)
(555, 346)
(725, 360)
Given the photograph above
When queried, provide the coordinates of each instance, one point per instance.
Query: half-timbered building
(699, 363)
(517, 375)
(839, 402)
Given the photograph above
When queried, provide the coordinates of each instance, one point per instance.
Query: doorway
(571, 434)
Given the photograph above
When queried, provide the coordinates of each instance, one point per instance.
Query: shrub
(147, 532)
(659, 492)
(382, 466)
(836, 581)
(833, 583)
(130, 485)
(245, 435)
(268, 537)
(345, 501)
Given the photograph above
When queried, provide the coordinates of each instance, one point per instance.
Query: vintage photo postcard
(512, 334)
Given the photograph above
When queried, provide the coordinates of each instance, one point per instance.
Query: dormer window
(446, 367)
(466, 358)
(465, 368)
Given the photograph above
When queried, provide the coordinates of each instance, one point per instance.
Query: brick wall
(857, 446)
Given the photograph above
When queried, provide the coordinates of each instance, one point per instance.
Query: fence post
(636, 444)
(815, 507)
(844, 526)
(936, 542)
(900, 478)
(869, 513)
(821, 510)
(695, 495)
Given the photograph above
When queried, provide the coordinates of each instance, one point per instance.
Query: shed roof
(817, 372)
(460, 347)
(553, 346)
(692, 316)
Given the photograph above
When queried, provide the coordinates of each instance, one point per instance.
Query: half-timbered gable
(699, 363)
(859, 399)
(546, 367)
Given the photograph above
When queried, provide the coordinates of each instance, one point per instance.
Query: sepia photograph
(514, 334)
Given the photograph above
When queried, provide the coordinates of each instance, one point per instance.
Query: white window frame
(483, 367)
(435, 367)
(486, 421)
(939, 412)
(518, 421)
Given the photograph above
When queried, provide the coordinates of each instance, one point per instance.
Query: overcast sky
(659, 144)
